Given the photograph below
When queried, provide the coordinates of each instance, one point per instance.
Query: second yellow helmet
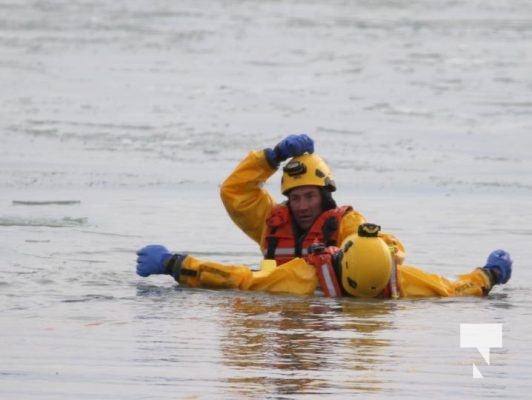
(366, 263)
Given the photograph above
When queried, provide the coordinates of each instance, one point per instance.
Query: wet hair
(328, 202)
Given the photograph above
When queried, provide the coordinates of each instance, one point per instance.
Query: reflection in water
(309, 345)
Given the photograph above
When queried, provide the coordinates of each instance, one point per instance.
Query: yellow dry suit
(300, 277)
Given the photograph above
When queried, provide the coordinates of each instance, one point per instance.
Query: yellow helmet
(306, 170)
(366, 262)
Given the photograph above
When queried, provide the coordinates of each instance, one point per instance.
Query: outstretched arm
(413, 282)
(294, 277)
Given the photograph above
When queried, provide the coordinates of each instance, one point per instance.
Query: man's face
(305, 204)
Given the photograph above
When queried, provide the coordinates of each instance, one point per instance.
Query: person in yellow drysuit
(310, 214)
(363, 266)
(287, 231)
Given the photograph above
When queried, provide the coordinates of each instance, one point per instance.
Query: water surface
(120, 119)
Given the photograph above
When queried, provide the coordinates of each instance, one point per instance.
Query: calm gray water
(120, 119)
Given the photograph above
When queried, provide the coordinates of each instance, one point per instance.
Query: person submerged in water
(305, 230)
(363, 266)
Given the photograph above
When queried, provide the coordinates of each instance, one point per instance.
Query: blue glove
(499, 266)
(151, 260)
(291, 146)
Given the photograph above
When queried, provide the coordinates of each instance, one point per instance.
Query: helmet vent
(347, 246)
(319, 173)
(352, 283)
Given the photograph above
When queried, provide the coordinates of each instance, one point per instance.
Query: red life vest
(281, 245)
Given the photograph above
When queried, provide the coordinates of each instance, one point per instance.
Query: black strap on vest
(272, 244)
(330, 226)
